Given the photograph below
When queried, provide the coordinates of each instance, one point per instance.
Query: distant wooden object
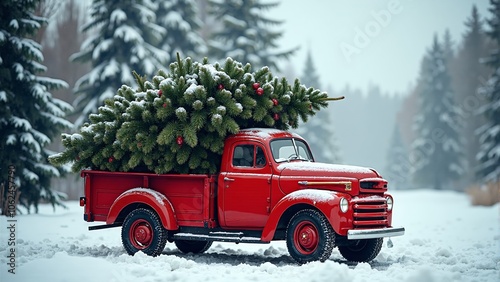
(485, 195)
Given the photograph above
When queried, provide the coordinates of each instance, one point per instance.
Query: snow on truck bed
(446, 240)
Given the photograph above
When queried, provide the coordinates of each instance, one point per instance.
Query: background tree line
(445, 133)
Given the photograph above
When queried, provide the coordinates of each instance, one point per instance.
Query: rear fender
(154, 199)
(327, 202)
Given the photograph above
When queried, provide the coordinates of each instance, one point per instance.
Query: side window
(260, 158)
(249, 156)
(243, 155)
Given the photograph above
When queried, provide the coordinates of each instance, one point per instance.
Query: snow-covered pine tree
(438, 147)
(126, 40)
(246, 36)
(319, 131)
(29, 115)
(398, 163)
(448, 48)
(182, 24)
(177, 123)
(467, 75)
(489, 151)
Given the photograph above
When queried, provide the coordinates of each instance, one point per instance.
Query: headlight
(344, 205)
(390, 202)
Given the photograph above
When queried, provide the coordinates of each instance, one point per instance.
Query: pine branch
(333, 98)
(141, 81)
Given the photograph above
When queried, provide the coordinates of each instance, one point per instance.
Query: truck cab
(268, 175)
(269, 188)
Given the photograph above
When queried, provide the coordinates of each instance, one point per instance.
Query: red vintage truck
(268, 188)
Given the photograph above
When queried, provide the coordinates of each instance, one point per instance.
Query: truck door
(246, 187)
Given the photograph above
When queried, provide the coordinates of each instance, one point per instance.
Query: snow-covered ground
(446, 239)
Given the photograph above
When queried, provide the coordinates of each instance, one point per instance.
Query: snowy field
(446, 240)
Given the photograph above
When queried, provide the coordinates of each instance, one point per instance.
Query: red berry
(220, 86)
(275, 102)
(159, 93)
(180, 140)
(256, 85)
(259, 91)
(276, 117)
(111, 159)
(164, 105)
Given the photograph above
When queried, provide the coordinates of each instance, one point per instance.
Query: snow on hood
(322, 169)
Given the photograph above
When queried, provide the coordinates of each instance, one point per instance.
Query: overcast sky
(369, 41)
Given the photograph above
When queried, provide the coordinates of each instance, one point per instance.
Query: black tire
(362, 250)
(195, 247)
(142, 231)
(309, 237)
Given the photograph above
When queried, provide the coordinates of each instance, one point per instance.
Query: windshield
(285, 150)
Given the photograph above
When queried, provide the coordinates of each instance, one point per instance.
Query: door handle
(228, 179)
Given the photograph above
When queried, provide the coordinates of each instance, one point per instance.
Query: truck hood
(310, 169)
(342, 178)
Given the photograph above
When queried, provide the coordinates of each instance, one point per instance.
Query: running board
(235, 237)
(97, 227)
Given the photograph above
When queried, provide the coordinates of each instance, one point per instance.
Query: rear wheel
(309, 237)
(362, 250)
(195, 247)
(142, 231)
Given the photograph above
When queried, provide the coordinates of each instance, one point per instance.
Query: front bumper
(358, 234)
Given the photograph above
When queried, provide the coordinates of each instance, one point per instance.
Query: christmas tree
(181, 20)
(126, 40)
(438, 146)
(30, 116)
(489, 134)
(178, 121)
(468, 73)
(247, 34)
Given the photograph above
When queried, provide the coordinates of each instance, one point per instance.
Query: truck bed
(191, 195)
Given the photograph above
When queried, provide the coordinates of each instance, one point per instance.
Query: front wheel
(362, 250)
(142, 231)
(195, 247)
(309, 237)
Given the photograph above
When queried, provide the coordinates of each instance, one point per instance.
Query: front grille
(368, 184)
(370, 212)
(372, 187)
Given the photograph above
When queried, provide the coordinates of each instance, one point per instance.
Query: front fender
(327, 202)
(157, 201)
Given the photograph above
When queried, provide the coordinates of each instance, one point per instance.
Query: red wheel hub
(306, 237)
(141, 234)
